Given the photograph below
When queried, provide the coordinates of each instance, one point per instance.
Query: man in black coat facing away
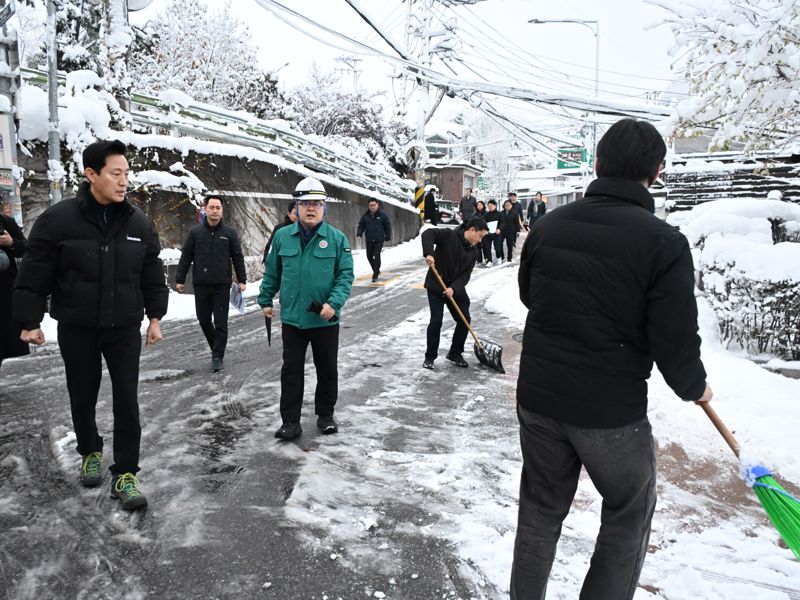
(610, 289)
(96, 256)
(212, 246)
(453, 252)
(376, 227)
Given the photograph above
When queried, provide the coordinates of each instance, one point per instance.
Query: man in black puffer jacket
(610, 289)
(96, 257)
(212, 246)
(453, 253)
(376, 227)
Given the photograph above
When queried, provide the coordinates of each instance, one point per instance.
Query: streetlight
(594, 27)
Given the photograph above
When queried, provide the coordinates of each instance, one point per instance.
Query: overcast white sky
(625, 46)
(496, 44)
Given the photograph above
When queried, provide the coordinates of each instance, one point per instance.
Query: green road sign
(570, 158)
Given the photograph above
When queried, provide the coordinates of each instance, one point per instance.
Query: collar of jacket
(215, 227)
(84, 195)
(464, 241)
(624, 189)
(320, 229)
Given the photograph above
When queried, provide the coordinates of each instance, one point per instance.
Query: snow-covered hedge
(748, 255)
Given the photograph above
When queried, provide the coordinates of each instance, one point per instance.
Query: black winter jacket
(609, 288)
(494, 215)
(10, 344)
(375, 228)
(211, 249)
(455, 257)
(536, 212)
(509, 223)
(96, 274)
(286, 221)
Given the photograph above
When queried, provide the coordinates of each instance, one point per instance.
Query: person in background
(288, 219)
(536, 209)
(210, 248)
(509, 227)
(431, 209)
(495, 235)
(312, 266)
(467, 206)
(516, 207)
(12, 246)
(376, 227)
(609, 289)
(96, 257)
(453, 253)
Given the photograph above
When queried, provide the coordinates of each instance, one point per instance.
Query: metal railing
(207, 122)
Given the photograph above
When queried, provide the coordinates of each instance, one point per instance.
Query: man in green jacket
(312, 266)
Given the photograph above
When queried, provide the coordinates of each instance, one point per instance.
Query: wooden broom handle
(455, 305)
(724, 431)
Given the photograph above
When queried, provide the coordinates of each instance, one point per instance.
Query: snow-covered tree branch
(742, 62)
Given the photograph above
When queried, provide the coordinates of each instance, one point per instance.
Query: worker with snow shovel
(452, 253)
(610, 289)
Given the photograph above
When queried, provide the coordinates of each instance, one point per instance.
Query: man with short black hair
(453, 253)
(96, 257)
(467, 206)
(610, 289)
(210, 248)
(516, 209)
(376, 227)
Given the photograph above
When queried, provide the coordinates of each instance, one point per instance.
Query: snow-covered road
(416, 496)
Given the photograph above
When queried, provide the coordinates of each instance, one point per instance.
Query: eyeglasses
(311, 203)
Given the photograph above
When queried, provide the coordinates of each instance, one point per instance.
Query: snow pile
(749, 260)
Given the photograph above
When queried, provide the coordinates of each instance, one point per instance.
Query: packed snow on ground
(703, 545)
(459, 473)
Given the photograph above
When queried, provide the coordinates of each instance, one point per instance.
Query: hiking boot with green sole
(91, 476)
(125, 487)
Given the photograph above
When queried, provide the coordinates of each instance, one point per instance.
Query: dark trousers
(374, 256)
(622, 466)
(437, 302)
(492, 240)
(325, 350)
(509, 237)
(82, 349)
(213, 300)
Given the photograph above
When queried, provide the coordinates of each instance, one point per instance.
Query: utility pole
(54, 167)
(9, 84)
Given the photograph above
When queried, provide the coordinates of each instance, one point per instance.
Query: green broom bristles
(781, 507)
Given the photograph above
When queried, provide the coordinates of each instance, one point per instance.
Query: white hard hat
(309, 189)
(775, 195)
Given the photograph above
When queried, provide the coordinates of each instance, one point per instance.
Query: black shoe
(457, 359)
(428, 364)
(327, 425)
(217, 365)
(289, 431)
(374, 278)
(125, 487)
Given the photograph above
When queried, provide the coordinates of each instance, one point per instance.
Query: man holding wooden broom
(610, 290)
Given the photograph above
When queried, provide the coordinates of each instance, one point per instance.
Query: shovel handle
(455, 305)
(723, 430)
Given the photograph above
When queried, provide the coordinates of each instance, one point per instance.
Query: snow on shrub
(748, 255)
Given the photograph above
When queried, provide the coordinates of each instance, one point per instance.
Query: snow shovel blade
(490, 354)
(268, 323)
